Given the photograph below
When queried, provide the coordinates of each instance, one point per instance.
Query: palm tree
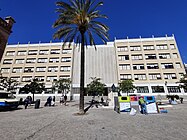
(77, 21)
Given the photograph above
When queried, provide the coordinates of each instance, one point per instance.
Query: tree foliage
(183, 82)
(8, 84)
(126, 86)
(62, 85)
(34, 87)
(95, 87)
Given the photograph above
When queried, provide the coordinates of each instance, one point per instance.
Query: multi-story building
(154, 64)
(5, 30)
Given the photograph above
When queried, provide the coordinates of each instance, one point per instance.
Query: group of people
(51, 101)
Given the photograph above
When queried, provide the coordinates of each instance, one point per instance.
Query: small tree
(34, 87)
(126, 86)
(183, 82)
(95, 87)
(63, 85)
(8, 83)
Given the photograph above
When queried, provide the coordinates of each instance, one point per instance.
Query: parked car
(8, 100)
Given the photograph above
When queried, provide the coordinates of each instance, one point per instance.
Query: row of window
(145, 47)
(40, 78)
(149, 66)
(40, 60)
(40, 52)
(148, 56)
(158, 89)
(38, 69)
(152, 76)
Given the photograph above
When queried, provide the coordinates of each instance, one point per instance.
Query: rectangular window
(65, 77)
(142, 89)
(51, 78)
(175, 55)
(66, 59)
(157, 89)
(164, 56)
(48, 91)
(123, 57)
(44, 52)
(178, 65)
(125, 76)
(53, 60)
(21, 53)
(152, 66)
(135, 48)
(155, 76)
(10, 53)
(5, 70)
(40, 69)
(172, 46)
(31, 60)
(170, 76)
(138, 67)
(124, 67)
(42, 60)
(162, 47)
(65, 68)
(26, 78)
(32, 52)
(53, 69)
(7, 61)
(167, 65)
(150, 56)
(140, 77)
(29, 69)
(137, 57)
(148, 47)
(55, 51)
(16, 78)
(19, 61)
(173, 89)
(17, 70)
(122, 48)
(40, 78)
(66, 51)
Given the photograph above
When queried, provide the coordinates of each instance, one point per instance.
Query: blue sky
(132, 18)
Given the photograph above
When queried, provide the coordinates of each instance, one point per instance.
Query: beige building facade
(153, 63)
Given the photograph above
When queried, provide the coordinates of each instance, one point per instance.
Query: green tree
(8, 84)
(34, 87)
(183, 82)
(78, 22)
(63, 85)
(95, 87)
(126, 86)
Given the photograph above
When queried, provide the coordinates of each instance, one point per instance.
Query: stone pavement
(60, 123)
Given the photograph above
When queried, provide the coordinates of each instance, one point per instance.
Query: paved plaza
(61, 123)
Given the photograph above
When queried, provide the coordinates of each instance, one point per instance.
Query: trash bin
(37, 104)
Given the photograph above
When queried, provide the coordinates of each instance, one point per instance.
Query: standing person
(53, 101)
(142, 105)
(26, 102)
(65, 99)
(62, 99)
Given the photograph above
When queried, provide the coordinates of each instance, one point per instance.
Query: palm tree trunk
(81, 104)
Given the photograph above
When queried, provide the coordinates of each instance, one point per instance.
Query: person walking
(142, 104)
